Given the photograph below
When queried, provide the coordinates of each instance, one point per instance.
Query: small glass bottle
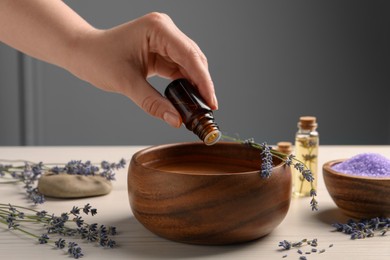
(196, 115)
(306, 151)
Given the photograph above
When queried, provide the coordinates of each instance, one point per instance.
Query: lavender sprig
(28, 173)
(267, 153)
(75, 167)
(266, 158)
(68, 224)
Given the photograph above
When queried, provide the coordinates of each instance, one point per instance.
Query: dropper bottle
(196, 115)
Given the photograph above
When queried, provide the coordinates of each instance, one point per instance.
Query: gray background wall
(271, 62)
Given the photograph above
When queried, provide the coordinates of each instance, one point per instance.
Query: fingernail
(171, 119)
(215, 102)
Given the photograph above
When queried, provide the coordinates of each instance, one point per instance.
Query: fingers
(167, 40)
(152, 102)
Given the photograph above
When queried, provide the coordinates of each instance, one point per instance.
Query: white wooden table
(135, 242)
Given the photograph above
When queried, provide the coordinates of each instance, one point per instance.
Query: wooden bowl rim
(328, 168)
(166, 146)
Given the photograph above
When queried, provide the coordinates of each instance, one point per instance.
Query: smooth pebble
(73, 186)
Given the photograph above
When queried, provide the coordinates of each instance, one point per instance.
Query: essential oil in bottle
(306, 151)
(196, 115)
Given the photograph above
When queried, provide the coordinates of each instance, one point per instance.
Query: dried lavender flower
(87, 208)
(364, 228)
(267, 161)
(267, 154)
(74, 250)
(75, 211)
(41, 214)
(287, 245)
(43, 239)
(289, 159)
(62, 225)
(60, 243)
(314, 242)
(28, 173)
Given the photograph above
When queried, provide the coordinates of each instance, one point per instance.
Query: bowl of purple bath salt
(360, 185)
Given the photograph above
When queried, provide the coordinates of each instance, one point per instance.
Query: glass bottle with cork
(306, 151)
(284, 147)
(196, 115)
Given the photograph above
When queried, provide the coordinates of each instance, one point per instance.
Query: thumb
(153, 103)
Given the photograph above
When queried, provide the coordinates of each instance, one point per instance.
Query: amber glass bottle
(196, 115)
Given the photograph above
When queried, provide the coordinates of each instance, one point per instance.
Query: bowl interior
(198, 159)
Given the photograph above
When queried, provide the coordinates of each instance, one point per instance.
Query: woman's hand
(122, 58)
(119, 59)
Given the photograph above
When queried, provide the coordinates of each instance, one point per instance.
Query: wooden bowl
(358, 197)
(198, 194)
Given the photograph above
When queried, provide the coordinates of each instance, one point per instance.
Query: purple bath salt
(365, 164)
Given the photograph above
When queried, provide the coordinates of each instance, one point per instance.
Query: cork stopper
(284, 147)
(307, 122)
